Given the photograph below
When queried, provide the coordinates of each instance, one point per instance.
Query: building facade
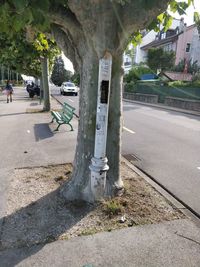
(183, 40)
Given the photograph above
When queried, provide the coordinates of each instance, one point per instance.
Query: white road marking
(198, 168)
(128, 130)
(71, 100)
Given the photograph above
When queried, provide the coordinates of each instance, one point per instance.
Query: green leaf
(160, 17)
(196, 17)
(17, 24)
(20, 4)
(42, 5)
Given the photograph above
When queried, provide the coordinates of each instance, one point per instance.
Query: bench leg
(52, 120)
(71, 126)
(58, 127)
(61, 124)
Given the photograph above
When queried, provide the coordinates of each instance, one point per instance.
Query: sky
(188, 18)
(68, 63)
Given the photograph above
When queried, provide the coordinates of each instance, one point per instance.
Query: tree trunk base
(72, 192)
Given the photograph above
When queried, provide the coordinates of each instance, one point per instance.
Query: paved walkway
(27, 139)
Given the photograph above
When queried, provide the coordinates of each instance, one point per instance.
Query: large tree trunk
(45, 84)
(79, 186)
(85, 30)
(114, 181)
(2, 74)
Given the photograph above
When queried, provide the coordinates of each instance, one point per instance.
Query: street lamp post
(99, 166)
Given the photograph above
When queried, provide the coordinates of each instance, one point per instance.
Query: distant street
(165, 145)
(70, 99)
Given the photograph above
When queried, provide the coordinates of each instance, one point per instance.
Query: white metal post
(99, 166)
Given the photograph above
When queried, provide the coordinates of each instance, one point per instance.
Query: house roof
(170, 39)
(177, 76)
(157, 43)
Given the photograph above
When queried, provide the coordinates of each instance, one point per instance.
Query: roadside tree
(17, 54)
(157, 58)
(59, 73)
(85, 30)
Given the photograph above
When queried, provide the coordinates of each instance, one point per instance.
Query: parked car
(68, 88)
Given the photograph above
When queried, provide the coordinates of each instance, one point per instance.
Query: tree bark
(114, 181)
(45, 84)
(79, 186)
(2, 74)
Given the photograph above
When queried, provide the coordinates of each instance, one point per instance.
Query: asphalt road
(165, 144)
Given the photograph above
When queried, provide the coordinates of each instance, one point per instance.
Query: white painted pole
(99, 165)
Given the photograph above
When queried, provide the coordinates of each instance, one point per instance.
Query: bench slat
(56, 115)
(64, 116)
(68, 106)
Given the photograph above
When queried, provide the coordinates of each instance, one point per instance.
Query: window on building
(170, 32)
(187, 47)
(163, 35)
(168, 47)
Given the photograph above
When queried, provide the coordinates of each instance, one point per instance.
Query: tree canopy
(23, 56)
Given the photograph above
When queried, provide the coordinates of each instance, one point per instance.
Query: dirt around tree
(36, 212)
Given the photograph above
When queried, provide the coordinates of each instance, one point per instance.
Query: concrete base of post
(99, 168)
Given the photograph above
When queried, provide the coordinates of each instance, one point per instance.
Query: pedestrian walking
(9, 91)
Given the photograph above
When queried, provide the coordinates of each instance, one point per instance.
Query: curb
(187, 112)
(187, 211)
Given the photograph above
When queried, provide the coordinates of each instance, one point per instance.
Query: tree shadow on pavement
(34, 104)
(42, 131)
(27, 230)
(13, 114)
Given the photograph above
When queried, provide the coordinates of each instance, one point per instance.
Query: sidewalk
(27, 139)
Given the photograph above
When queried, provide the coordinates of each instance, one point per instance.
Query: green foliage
(113, 207)
(136, 38)
(192, 67)
(24, 57)
(196, 79)
(179, 7)
(164, 18)
(179, 84)
(157, 58)
(195, 83)
(76, 78)
(135, 73)
(59, 73)
(197, 21)
(129, 87)
(19, 55)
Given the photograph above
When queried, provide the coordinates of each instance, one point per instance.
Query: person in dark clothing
(9, 91)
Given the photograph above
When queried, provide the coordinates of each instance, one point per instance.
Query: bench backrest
(67, 106)
(67, 112)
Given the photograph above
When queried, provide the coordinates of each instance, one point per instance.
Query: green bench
(64, 116)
